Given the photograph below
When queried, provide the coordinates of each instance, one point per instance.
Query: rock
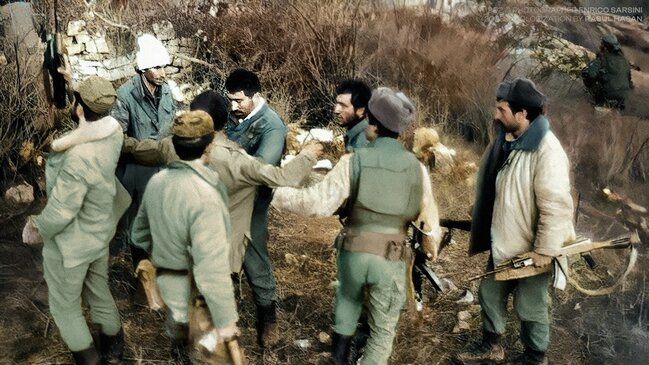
(324, 337)
(577, 306)
(20, 195)
(75, 27)
(448, 284)
(475, 308)
(181, 62)
(291, 259)
(3, 60)
(461, 326)
(82, 37)
(463, 315)
(170, 70)
(117, 62)
(74, 49)
(467, 298)
(164, 30)
(86, 70)
(87, 63)
(100, 44)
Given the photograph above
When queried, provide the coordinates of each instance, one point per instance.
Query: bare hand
(66, 70)
(228, 333)
(314, 148)
(541, 260)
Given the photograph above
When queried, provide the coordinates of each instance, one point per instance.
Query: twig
(195, 60)
(47, 326)
(112, 23)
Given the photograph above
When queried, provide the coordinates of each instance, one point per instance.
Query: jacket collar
(356, 129)
(200, 168)
(385, 142)
(86, 132)
(138, 88)
(533, 135)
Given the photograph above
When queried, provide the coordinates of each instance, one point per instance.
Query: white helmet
(151, 53)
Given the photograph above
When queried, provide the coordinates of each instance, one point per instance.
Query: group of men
(199, 183)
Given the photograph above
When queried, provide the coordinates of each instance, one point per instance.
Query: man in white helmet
(145, 108)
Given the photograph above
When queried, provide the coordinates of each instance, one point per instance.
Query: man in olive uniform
(184, 223)
(523, 204)
(145, 109)
(351, 107)
(240, 172)
(386, 188)
(85, 201)
(608, 76)
(260, 131)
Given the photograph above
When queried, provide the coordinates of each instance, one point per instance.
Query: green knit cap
(97, 93)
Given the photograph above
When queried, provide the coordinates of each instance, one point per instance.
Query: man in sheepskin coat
(523, 204)
(85, 201)
(386, 188)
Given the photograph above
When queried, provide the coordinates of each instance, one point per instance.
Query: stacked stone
(91, 54)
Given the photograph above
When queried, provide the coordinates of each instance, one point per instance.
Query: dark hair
(381, 130)
(191, 148)
(243, 80)
(532, 111)
(88, 113)
(214, 104)
(360, 92)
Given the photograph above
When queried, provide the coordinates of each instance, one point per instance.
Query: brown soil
(304, 266)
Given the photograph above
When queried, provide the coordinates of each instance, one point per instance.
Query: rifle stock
(522, 266)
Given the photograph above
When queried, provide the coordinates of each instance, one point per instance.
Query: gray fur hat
(521, 91)
(391, 108)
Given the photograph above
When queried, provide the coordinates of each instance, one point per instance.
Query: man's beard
(156, 81)
(352, 122)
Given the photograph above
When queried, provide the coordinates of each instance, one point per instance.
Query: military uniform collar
(200, 168)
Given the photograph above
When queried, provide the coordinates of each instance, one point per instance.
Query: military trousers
(66, 289)
(531, 303)
(256, 263)
(385, 284)
(176, 292)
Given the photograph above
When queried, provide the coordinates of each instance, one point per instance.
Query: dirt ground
(584, 330)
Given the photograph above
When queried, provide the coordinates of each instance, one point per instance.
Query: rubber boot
(88, 356)
(341, 345)
(267, 328)
(112, 348)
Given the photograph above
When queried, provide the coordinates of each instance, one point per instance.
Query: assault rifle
(420, 268)
(523, 265)
(53, 60)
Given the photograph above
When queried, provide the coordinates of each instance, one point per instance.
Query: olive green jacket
(184, 223)
(85, 199)
(240, 173)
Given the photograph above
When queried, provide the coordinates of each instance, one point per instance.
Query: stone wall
(92, 54)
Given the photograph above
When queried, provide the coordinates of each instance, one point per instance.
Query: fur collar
(86, 132)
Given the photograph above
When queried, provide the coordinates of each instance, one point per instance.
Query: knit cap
(520, 91)
(391, 108)
(151, 53)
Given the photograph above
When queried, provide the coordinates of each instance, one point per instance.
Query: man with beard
(523, 204)
(385, 188)
(261, 133)
(145, 109)
(85, 201)
(352, 97)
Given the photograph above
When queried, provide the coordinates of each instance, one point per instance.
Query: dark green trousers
(531, 303)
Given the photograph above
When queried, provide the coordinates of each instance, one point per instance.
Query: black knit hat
(520, 91)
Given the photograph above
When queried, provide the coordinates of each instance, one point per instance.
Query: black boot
(88, 356)
(112, 348)
(267, 328)
(340, 345)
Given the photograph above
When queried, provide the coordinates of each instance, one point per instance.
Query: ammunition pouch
(392, 247)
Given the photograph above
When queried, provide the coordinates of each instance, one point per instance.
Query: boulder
(20, 195)
(75, 27)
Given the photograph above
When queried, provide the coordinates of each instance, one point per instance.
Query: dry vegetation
(301, 49)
